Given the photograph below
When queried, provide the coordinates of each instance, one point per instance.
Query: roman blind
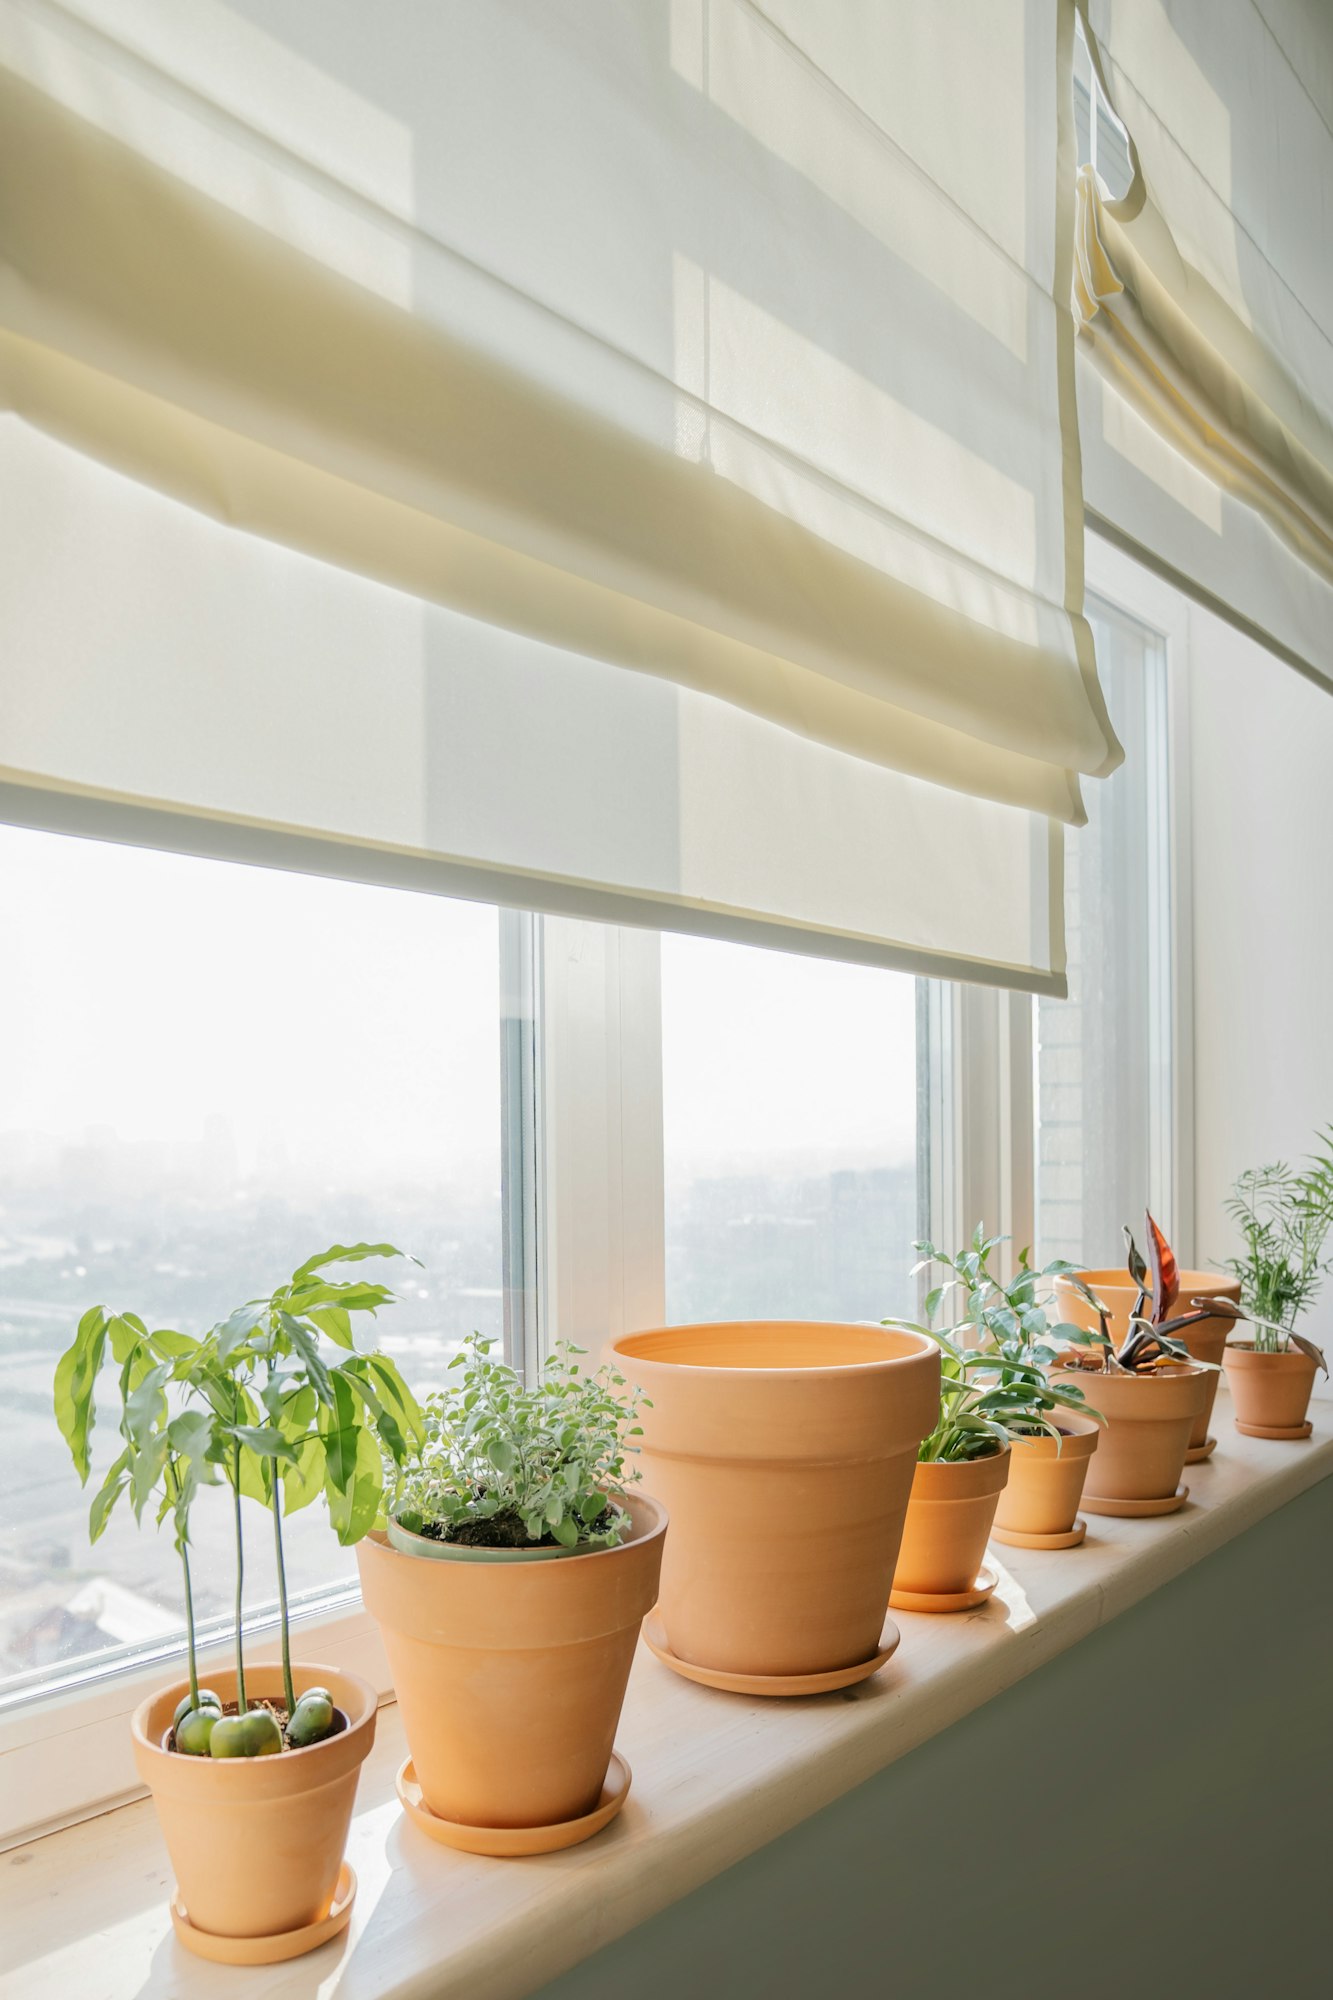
(1205, 301)
(616, 457)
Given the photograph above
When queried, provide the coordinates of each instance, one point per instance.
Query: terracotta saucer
(772, 1684)
(268, 1950)
(1137, 1509)
(1284, 1435)
(1197, 1453)
(958, 1600)
(1068, 1538)
(508, 1841)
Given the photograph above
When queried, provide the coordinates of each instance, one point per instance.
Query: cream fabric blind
(1205, 300)
(706, 368)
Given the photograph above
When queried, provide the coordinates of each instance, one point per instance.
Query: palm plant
(1284, 1217)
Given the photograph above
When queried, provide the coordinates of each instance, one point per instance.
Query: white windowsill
(715, 1777)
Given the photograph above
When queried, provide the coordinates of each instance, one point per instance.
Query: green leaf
(347, 1253)
(333, 1321)
(114, 1484)
(76, 1385)
(239, 1326)
(264, 1443)
(172, 1345)
(191, 1433)
(306, 1346)
(354, 1497)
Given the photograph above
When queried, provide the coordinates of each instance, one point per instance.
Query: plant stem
(174, 1477)
(240, 1582)
(287, 1688)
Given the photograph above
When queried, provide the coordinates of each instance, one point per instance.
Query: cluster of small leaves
(1284, 1217)
(996, 1355)
(256, 1401)
(547, 1460)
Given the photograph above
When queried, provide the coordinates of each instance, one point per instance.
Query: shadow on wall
(1146, 1814)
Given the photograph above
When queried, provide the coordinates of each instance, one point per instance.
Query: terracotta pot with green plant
(1148, 1387)
(254, 1775)
(1284, 1217)
(510, 1586)
(1052, 1430)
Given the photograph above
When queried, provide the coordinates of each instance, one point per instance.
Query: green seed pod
(207, 1699)
(194, 1731)
(312, 1719)
(254, 1735)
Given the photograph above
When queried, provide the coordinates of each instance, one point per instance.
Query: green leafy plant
(280, 1403)
(1284, 1217)
(503, 1465)
(1005, 1332)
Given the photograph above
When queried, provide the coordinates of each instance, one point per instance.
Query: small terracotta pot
(1269, 1392)
(1204, 1341)
(511, 1675)
(949, 1518)
(784, 1452)
(257, 1842)
(1149, 1420)
(1045, 1484)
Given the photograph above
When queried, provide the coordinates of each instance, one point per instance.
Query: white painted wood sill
(715, 1777)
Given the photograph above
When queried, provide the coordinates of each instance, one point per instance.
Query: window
(208, 1072)
(789, 1115)
(1105, 1055)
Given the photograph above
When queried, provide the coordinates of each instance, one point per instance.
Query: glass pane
(207, 1073)
(789, 1114)
(1103, 1061)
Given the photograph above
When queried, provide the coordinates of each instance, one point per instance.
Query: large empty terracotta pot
(948, 1524)
(256, 1842)
(511, 1675)
(1045, 1485)
(1204, 1341)
(784, 1453)
(1269, 1392)
(1140, 1454)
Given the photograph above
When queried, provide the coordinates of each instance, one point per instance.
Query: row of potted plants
(812, 1474)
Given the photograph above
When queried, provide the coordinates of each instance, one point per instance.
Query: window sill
(715, 1777)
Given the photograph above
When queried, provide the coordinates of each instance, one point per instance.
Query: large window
(789, 1107)
(207, 1073)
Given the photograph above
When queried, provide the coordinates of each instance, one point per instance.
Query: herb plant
(1284, 1217)
(259, 1404)
(507, 1466)
(1008, 1330)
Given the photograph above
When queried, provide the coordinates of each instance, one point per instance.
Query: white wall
(1261, 768)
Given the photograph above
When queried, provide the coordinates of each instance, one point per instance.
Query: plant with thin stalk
(278, 1419)
(1150, 1342)
(1008, 1326)
(505, 1465)
(1284, 1217)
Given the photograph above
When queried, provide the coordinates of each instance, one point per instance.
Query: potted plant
(1124, 1294)
(1149, 1389)
(254, 1776)
(1052, 1430)
(1284, 1219)
(783, 1451)
(509, 1588)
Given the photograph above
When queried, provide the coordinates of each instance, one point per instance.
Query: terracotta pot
(256, 1843)
(1045, 1484)
(1204, 1341)
(511, 1675)
(1269, 1392)
(784, 1451)
(948, 1524)
(1149, 1420)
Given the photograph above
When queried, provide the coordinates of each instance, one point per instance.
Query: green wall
(1149, 1815)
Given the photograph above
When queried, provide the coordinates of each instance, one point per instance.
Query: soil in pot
(510, 1673)
(1045, 1485)
(1269, 1392)
(784, 1453)
(1204, 1342)
(1140, 1454)
(948, 1524)
(257, 1843)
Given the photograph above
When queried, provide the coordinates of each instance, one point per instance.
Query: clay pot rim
(1254, 1354)
(291, 1760)
(1116, 1278)
(1172, 1371)
(640, 1532)
(976, 1472)
(921, 1344)
(1082, 1427)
